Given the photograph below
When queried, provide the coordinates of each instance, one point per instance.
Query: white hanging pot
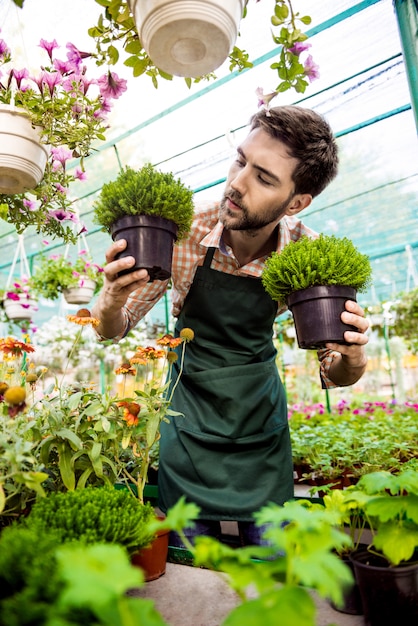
(81, 294)
(19, 310)
(22, 157)
(187, 37)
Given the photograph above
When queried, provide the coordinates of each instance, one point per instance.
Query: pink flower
(299, 47)
(48, 46)
(311, 69)
(80, 174)
(111, 86)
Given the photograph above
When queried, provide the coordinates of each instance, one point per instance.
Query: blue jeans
(249, 533)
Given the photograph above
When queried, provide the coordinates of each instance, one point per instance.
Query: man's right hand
(116, 290)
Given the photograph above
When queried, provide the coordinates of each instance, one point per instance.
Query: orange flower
(170, 341)
(15, 347)
(149, 353)
(126, 368)
(84, 318)
(130, 412)
(138, 359)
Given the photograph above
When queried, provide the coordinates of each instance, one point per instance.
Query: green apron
(230, 451)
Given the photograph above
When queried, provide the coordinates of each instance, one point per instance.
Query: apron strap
(208, 257)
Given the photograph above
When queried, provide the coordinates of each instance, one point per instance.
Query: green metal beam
(407, 16)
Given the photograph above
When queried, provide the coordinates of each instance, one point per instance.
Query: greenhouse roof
(363, 91)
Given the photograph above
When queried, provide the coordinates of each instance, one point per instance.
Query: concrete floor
(190, 596)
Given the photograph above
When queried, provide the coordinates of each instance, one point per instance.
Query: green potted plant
(94, 515)
(387, 568)
(151, 210)
(314, 277)
(47, 119)
(78, 280)
(405, 324)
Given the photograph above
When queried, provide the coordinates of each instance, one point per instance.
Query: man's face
(259, 188)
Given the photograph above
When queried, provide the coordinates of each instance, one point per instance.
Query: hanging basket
(188, 37)
(19, 310)
(81, 294)
(22, 157)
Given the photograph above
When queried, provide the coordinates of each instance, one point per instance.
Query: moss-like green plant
(326, 260)
(95, 515)
(145, 192)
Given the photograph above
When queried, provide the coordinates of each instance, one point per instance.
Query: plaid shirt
(206, 233)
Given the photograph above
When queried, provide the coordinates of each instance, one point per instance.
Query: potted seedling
(151, 210)
(387, 568)
(314, 277)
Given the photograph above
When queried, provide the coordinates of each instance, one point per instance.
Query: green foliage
(390, 505)
(326, 260)
(45, 583)
(353, 440)
(25, 590)
(145, 191)
(302, 554)
(54, 274)
(406, 318)
(94, 515)
(78, 432)
(21, 471)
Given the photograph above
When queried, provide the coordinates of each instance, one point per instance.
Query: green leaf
(95, 574)
(288, 606)
(66, 433)
(65, 466)
(397, 542)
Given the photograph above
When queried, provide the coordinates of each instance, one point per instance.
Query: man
(230, 453)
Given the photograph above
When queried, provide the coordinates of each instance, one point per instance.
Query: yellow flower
(15, 395)
(187, 334)
(172, 357)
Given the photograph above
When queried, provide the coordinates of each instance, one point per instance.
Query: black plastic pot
(317, 315)
(150, 240)
(389, 595)
(351, 595)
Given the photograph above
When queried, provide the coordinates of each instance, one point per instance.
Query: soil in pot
(150, 240)
(317, 315)
(389, 595)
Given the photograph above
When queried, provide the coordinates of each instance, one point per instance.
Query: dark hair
(309, 138)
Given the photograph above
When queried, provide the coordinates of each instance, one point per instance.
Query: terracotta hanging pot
(19, 310)
(317, 315)
(81, 294)
(22, 157)
(188, 37)
(150, 240)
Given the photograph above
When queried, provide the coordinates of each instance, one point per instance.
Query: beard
(246, 221)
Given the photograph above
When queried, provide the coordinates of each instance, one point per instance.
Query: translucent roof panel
(362, 90)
